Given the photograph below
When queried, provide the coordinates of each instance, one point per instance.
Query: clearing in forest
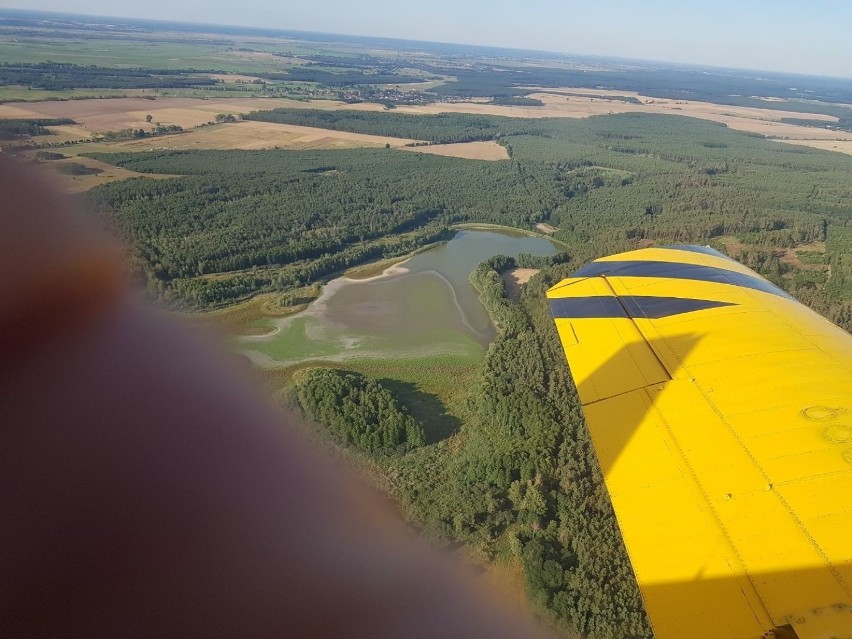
(838, 146)
(515, 278)
(466, 150)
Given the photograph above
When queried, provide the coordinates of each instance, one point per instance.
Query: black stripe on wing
(679, 271)
(629, 306)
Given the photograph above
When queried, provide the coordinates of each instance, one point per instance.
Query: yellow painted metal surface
(721, 412)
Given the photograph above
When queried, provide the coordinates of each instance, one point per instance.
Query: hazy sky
(783, 35)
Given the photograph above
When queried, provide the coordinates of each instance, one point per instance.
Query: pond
(422, 307)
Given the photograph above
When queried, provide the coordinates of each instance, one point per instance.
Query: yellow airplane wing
(721, 412)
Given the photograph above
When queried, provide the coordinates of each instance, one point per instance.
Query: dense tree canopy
(238, 222)
(358, 411)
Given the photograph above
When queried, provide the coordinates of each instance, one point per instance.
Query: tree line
(20, 127)
(55, 76)
(441, 128)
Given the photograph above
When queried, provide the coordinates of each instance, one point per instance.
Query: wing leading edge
(721, 412)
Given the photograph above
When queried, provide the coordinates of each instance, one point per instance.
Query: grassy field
(157, 51)
(433, 388)
(246, 318)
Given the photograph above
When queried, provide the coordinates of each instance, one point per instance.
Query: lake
(422, 307)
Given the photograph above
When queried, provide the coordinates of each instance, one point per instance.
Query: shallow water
(423, 307)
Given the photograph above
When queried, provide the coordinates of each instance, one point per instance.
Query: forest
(239, 222)
(518, 483)
(281, 216)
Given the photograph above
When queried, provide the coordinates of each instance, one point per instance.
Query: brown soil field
(515, 279)
(466, 150)
(248, 135)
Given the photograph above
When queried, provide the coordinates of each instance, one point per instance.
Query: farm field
(101, 115)
(246, 135)
(122, 113)
(838, 146)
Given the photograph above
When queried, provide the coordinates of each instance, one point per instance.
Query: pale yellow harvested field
(78, 183)
(839, 146)
(466, 150)
(247, 135)
(66, 133)
(123, 113)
